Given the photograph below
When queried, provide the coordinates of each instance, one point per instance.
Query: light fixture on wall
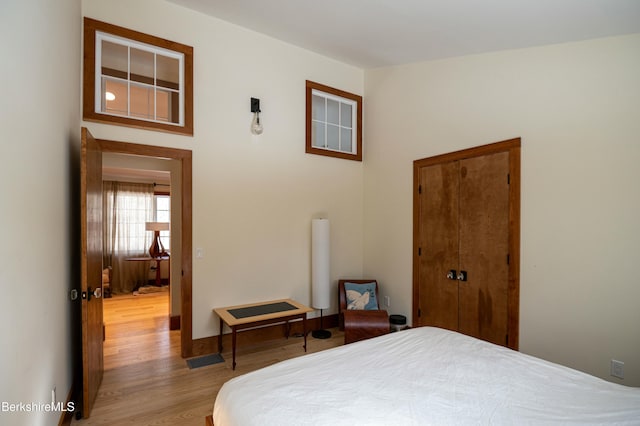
(157, 249)
(320, 271)
(256, 126)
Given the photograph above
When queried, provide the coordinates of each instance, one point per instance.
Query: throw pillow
(361, 296)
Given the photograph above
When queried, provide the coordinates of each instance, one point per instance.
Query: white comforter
(422, 376)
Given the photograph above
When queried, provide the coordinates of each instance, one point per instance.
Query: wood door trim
(186, 287)
(513, 147)
(513, 292)
(477, 151)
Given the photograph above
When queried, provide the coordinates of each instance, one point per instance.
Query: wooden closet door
(484, 247)
(466, 216)
(438, 238)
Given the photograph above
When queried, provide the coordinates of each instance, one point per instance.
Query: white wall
(577, 108)
(253, 196)
(39, 128)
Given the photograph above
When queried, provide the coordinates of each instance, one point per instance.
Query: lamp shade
(320, 265)
(157, 226)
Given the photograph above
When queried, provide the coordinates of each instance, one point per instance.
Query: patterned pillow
(361, 296)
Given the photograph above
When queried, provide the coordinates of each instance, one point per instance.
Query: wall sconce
(256, 126)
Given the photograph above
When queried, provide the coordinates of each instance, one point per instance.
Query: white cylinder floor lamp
(320, 271)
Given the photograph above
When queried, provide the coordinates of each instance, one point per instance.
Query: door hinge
(419, 313)
(508, 179)
(419, 251)
(508, 259)
(419, 189)
(506, 340)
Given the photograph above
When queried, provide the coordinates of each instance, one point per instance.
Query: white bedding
(422, 376)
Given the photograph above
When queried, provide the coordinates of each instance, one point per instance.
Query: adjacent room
(241, 125)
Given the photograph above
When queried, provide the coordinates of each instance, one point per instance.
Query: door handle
(451, 275)
(462, 276)
(97, 293)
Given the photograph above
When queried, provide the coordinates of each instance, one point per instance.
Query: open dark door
(91, 269)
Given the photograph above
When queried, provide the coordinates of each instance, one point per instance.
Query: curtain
(126, 209)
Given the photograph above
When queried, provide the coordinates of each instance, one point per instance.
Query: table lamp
(157, 249)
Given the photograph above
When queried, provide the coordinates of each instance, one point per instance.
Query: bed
(422, 376)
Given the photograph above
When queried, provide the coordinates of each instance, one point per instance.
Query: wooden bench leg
(304, 331)
(233, 345)
(220, 337)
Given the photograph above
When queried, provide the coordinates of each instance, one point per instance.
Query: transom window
(334, 122)
(138, 80)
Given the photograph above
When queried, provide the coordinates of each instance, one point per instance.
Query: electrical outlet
(387, 301)
(617, 369)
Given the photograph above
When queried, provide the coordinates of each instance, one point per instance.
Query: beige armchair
(107, 274)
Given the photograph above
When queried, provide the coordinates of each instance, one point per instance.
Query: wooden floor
(146, 382)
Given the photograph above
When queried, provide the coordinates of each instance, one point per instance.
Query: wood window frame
(91, 26)
(310, 149)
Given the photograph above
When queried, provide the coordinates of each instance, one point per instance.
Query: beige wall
(576, 107)
(253, 196)
(40, 133)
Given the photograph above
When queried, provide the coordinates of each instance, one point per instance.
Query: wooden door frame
(186, 284)
(513, 292)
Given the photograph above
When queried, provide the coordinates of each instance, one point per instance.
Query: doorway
(182, 266)
(138, 295)
(137, 199)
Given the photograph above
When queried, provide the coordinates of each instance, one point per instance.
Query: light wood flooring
(146, 382)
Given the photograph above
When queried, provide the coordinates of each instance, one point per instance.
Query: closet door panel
(484, 239)
(439, 245)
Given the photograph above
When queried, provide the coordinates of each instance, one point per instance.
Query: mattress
(422, 376)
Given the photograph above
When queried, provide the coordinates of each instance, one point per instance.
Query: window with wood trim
(135, 79)
(333, 122)
(162, 213)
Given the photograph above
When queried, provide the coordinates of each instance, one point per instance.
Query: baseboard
(209, 345)
(174, 322)
(67, 416)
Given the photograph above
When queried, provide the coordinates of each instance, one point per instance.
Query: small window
(334, 122)
(162, 213)
(135, 79)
